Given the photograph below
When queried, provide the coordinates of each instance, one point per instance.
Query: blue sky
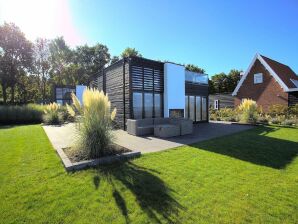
(215, 35)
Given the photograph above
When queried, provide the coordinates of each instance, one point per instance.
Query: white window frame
(216, 103)
(258, 78)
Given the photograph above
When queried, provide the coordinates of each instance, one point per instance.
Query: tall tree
(60, 57)
(16, 57)
(92, 60)
(222, 82)
(194, 68)
(130, 52)
(219, 82)
(233, 77)
(42, 64)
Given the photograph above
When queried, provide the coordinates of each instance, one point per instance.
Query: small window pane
(258, 78)
(198, 108)
(157, 105)
(148, 105)
(192, 107)
(137, 105)
(59, 93)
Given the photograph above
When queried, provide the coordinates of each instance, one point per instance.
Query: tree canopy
(130, 52)
(194, 68)
(224, 83)
(28, 71)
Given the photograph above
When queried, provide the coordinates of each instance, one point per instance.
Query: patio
(65, 136)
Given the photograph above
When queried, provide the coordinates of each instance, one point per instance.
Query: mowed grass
(249, 177)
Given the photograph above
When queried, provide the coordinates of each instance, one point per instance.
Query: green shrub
(248, 110)
(263, 119)
(25, 114)
(293, 110)
(227, 114)
(275, 120)
(53, 114)
(289, 122)
(96, 123)
(277, 110)
(278, 119)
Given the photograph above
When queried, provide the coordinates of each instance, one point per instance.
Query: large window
(63, 94)
(137, 105)
(144, 102)
(147, 82)
(196, 108)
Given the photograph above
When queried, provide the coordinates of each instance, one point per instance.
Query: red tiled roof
(284, 72)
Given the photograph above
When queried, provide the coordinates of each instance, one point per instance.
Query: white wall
(174, 87)
(79, 92)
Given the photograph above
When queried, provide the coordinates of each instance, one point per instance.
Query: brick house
(268, 82)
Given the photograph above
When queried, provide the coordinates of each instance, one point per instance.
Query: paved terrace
(65, 136)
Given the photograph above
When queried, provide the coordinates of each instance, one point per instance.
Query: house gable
(265, 93)
(259, 58)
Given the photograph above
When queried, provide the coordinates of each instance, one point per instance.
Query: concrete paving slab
(66, 135)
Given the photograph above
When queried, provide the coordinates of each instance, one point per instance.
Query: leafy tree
(60, 57)
(194, 68)
(130, 52)
(92, 60)
(15, 59)
(28, 89)
(234, 77)
(221, 83)
(42, 64)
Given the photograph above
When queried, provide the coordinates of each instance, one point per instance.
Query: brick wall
(265, 94)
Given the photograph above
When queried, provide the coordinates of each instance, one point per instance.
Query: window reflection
(137, 105)
(148, 105)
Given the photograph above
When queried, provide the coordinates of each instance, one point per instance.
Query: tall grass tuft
(248, 111)
(53, 114)
(95, 122)
(24, 114)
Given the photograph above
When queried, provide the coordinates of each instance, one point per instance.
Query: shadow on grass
(151, 193)
(255, 147)
(3, 126)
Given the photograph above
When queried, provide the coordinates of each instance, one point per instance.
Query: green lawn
(250, 177)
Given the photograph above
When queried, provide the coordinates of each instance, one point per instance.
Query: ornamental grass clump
(52, 114)
(95, 118)
(248, 110)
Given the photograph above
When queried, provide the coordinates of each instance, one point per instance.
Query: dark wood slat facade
(224, 100)
(135, 74)
(293, 98)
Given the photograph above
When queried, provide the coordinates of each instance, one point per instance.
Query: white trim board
(268, 68)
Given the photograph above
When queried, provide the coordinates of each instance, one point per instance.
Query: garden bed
(74, 162)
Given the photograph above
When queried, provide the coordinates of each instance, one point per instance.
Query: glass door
(204, 108)
(192, 108)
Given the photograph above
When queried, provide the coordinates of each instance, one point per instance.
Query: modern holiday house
(268, 82)
(142, 88)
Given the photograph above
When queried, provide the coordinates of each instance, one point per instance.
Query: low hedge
(25, 114)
